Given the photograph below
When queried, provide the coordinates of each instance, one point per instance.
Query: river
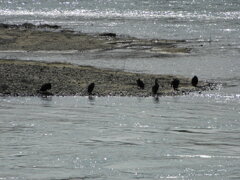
(185, 137)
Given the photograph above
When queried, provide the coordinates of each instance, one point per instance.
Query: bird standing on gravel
(194, 81)
(175, 83)
(44, 89)
(140, 84)
(155, 87)
(90, 88)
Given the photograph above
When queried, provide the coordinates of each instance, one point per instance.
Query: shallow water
(188, 137)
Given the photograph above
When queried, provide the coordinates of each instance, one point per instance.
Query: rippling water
(188, 137)
(142, 18)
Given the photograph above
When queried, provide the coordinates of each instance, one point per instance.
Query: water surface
(189, 137)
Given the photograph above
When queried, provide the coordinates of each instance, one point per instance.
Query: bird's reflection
(46, 98)
(139, 99)
(46, 101)
(156, 99)
(91, 99)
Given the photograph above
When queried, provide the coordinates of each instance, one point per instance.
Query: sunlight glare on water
(164, 19)
(114, 137)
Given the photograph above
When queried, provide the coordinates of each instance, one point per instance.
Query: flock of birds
(174, 84)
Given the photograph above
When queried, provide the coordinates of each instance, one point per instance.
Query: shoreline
(29, 37)
(24, 78)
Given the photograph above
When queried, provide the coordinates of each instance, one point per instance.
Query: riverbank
(29, 37)
(24, 78)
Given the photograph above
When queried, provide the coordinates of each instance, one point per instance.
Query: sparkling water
(188, 137)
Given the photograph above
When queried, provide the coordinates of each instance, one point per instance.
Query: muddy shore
(24, 78)
(29, 37)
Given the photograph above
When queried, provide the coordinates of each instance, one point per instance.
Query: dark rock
(49, 26)
(8, 26)
(108, 34)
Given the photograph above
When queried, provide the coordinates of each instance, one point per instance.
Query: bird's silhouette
(90, 88)
(155, 87)
(175, 83)
(45, 87)
(194, 81)
(140, 84)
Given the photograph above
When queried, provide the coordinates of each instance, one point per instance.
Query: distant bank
(25, 78)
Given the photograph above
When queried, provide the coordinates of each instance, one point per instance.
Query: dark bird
(44, 90)
(45, 87)
(90, 88)
(140, 84)
(175, 84)
(155, 87)
(195, 81)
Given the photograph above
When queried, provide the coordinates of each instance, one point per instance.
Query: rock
(108, 34)
(49, 26)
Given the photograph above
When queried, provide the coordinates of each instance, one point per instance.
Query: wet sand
(24, 78)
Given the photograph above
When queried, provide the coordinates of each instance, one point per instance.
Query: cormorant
(45, 87)
(90, 88)
(195, 81)
(155, 87)
(175, 84)
(140, 84)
